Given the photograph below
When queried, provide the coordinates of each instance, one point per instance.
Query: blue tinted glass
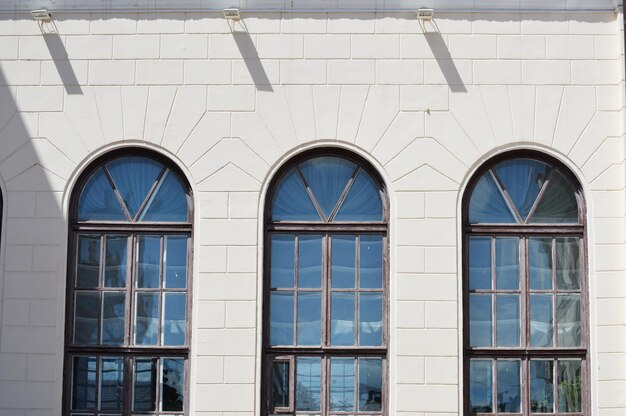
(310, 261)
(480, 262)
(169, 202)
(291, 200)
(480, 321)
(370, 384)
(280, 384)
(343, 261)
(541, 321)
(363, 202)
(308, 384)
(98, 202)
(283, 260)
(487, 205)
(134, 176)
(342, 319)
(371, 261)
(146, 318)
(507, 320)
(327, 177)
(88, 262)
(309, 318)
(540, 263)
(371, 319)
(175, 261)
(115, 263)
(557, 204)
(149, 263)
(173, 388)
(281, 318)
(541, 386)
(507, 263)
(86, 315)
(84, 383)
(144, 386)
(567, 252)
(174, 322)
(509, 388)
(568, 320)
(342, 384)
(113, 317)
(481, 382)
(111, 383)
(522, 179)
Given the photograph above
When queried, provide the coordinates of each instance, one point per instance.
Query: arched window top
(327, 189)
(133, 189)
(524, 190)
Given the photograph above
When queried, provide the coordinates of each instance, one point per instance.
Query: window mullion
(130, 270)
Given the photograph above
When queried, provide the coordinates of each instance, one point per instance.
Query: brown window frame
(525, 352)
(127, 351)
(325, 352)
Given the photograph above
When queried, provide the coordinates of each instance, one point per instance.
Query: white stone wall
(230, 107)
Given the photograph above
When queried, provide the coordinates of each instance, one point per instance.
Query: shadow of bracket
(445, 62)
(251, 59)
(62, 63)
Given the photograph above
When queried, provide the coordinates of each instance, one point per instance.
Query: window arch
(128, 289)
(326, 278)
(525, 289)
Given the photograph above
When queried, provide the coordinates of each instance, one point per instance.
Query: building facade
(329, 208)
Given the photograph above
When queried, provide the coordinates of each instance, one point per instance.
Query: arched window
(525, 290)
(128, 295)
(325, 319)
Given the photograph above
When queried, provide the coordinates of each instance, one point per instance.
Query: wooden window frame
(325, 352)
(127, 351)
(525, 352)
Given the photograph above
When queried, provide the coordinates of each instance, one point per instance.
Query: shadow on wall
(30, 276)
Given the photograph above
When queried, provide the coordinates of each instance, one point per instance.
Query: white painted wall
(427, 109)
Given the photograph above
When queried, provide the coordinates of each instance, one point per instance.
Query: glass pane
(371, 261)
(149, 267)
(146, 318)
(283, 260)
(309, 318)
(174, 322)
(280, 384)
(111, 383)
(570, 385)
(370, 384)
(522, 179)
(98, 201)
(327, 176)
(169, 202)
(173, 387)
(557, 204)
(343, 261)
(371, 319)
(540, 262)
(508, 320)
(480, 262)
(291, 201)
(567, 263)
(115, 263)
(281, 318)
(308, 384)
(541, 325)
(568, 318)
(509, 388)
(88, 263)
(507, 263)
(86, 314)
(342, 384)
(342, 319)
(84, 383)
(113, 317)
(487, 205)
(144, 387)
(363, 202)
(310, 261)
(175, 261)
(134, 176)
(541, 386)
(480, 321)
(481, 386)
